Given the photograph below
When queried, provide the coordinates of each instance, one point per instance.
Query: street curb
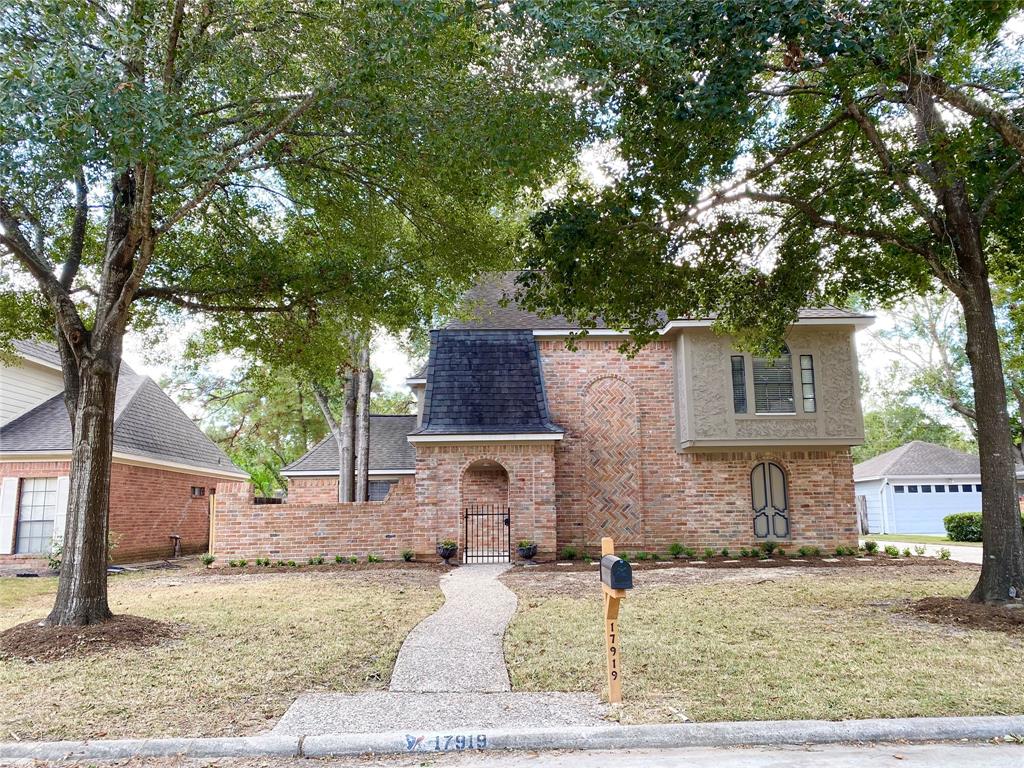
(755, 733)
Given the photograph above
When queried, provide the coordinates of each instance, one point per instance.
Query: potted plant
(527, 549)
(446, 550)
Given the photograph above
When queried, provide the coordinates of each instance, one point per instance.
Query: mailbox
(616, 573)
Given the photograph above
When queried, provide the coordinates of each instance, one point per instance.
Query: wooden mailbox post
(616, 578)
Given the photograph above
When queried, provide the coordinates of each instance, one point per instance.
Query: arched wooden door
(770, 501)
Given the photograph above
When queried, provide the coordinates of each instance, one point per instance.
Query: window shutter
(8, 508)
(63, 485)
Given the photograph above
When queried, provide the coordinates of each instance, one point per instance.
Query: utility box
(616, 573)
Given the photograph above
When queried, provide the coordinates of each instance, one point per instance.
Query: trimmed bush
(966, 526)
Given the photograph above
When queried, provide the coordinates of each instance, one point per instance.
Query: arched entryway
(485, 513)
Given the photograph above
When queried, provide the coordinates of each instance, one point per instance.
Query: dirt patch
(962, 613)
(862, 561)
(32, 642)
(392, 573)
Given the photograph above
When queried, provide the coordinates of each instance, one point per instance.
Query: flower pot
(446, 553)
(527, 553)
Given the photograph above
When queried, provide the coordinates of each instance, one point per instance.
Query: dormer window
(773, 384)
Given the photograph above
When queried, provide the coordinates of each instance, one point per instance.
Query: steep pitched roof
(918, 459)
(482, 310)
(484, 382)
(38, 350)
(389, 450)
(147, 424)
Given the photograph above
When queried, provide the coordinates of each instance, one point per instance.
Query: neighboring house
(164, 469)
(518, 437)
(910, 489)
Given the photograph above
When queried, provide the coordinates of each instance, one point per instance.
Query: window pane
(898, 488)
(926, 489)
(739, 385)
(954, 488)
(773, 385)
(37, 511)
(978, 488)
(807, 380)
(966, 488)
(378, 489)
(912, 488)
(940, 489)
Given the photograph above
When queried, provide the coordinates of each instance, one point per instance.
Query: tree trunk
(1002, 568)
(346, 472)
(362, 490)
(82, 589)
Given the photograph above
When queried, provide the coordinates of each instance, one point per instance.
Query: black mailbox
(616, 573)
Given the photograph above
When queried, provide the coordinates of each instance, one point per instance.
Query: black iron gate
(487, 534)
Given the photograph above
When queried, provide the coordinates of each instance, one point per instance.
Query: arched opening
(485, 509)
(769, 498)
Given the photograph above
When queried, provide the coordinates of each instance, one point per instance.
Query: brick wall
(297, 531)
(313, 490)
(147, 505)
(485, 485)
(619, 450)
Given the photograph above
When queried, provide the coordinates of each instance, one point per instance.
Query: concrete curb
(758, 733)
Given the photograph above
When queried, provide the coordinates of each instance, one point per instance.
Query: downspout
(885, 507)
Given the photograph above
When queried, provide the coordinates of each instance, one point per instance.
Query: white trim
(60, 519)
(334, 472)
(790, 443)
(524, 437)
(904, 479)
(9, 489)
(413, 380)
(856, 322)
(130, 459)
(39, 361)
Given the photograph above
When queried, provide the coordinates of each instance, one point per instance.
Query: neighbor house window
(807, 383)
(978, 488)
(378, 489)
(966, 488)
(954, 488)
(940, 489)
(198, 491)
(37, 512)
(773, 384)
(926, 489)
(912, 488)
(898, 488)
(739, 384)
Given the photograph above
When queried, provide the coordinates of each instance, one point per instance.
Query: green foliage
(232, 563)
(769, 546)
(944, 554)
(906, 552)
(897, 423)
(891, 551)
(725, 551)
(963, 526)
(643, 556)
(780, 552)
(569, 553)
(920, 549)
(870, 546)
(408, 555)
(55, 555)
(744, 552)
(708, 553)
(340, 559)
(371, 558)
(525, 544)
(448, 544)
(807, 551)
(317, 560)
(207, 559)
(292, 564)
(281, 564)
(676, 549)
(689, 553)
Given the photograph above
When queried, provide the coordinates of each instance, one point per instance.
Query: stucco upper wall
(704, 392)
(24, 386)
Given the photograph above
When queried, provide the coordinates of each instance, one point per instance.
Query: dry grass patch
(249, 646)
(774, 645)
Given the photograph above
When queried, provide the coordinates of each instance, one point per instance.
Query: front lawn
(920, 538)
(249, 646)
(759, 644)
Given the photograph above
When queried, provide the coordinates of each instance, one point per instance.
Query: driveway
(962, 554)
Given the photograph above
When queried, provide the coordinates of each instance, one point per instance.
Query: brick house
(164, 471)
(691, 440)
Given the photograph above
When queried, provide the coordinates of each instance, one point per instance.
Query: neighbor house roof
(484, 382)
(389, 450)
(37, 350)
(918, 459)
(147, 425)
(489, 305)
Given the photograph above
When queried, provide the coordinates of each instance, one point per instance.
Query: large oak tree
(792, 152)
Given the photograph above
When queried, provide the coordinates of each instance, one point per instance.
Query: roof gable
(918, 459)
(389, 449)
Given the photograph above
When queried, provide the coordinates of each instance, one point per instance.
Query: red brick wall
(485, 485)
(313, 490)
(147, 505)
(297, 531)
(700, 499)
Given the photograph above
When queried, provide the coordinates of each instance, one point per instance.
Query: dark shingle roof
(481, 309)
(484, 382)
(147, 423)
(389, 450)
(918, 459)
(37, 349)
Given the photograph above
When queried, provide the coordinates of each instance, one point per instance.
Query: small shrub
(780, 552)
(744, 552)
(676, 549)
(292, 564)
(944, 554)
(318, 560)
(626, 556)
(408, 555)
(763, 556)
(242, 563)
(891, 551)
(281, 564)
(845, 551)
(725, 551)
(769, 546)
(207, 559)
(906, 552)
(689, 553)
(569, 553)
(340, 559)
(655, 556)
(708, 553)
(448, 544)
(965, 526)
(642, 556)
(919, 550)
(373, 559)
(870, 546)
(56, 554)
(353, 560)
(232, 563)
(806, 551)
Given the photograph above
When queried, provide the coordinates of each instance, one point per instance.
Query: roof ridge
(138, 381)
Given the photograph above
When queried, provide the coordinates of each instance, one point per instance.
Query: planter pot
(446, 553)
(527, 553)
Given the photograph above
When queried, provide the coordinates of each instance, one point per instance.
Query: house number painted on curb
(445, 743)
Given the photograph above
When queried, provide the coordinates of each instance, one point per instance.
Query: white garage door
(920, 507)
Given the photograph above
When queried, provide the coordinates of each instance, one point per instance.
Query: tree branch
(77, 245)
(1012, 133)
(172, 44)
(1001, 182)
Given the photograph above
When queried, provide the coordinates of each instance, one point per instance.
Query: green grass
(919, 538)
(253, 643)
(831, 647)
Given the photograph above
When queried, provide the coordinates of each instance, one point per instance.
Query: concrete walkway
(961, 554)
(450, 674)
(460, 647)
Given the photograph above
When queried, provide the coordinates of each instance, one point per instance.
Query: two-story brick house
(691, 440)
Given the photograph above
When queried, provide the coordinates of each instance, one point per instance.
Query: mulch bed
(32, 642)
(387, 565)
(968, 615)
(753, 562)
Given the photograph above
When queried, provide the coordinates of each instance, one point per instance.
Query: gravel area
(377, 711)
(459, 648)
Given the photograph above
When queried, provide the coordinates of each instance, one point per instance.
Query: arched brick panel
(612, 475)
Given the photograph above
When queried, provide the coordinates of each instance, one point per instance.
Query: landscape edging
(722, 734)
